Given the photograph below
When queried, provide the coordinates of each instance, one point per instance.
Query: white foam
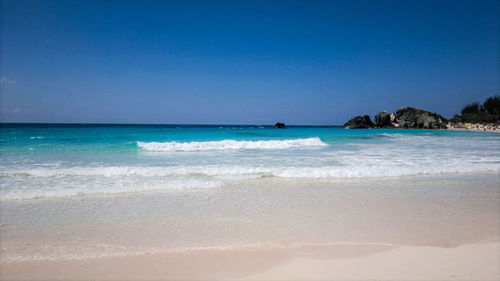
(64, 182)
(230, 145)
(82, 251)
(400, 156)
(68, 186)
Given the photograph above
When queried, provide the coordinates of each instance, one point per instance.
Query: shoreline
(475, 127)
(368, 226)
(253, 182)
(475, 261)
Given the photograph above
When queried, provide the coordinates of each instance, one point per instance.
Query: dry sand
(479, 261)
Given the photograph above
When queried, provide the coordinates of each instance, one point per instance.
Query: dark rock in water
(359, 122)
(411, 117)
(280, 125)
(383, 120)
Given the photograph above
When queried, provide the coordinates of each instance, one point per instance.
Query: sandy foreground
(480, 261)
(425, 228)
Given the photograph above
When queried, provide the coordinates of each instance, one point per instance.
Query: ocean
(50, 161)
(82, 191)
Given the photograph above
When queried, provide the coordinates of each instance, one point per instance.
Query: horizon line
(154, 124)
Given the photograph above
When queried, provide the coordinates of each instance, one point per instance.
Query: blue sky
(243, 62)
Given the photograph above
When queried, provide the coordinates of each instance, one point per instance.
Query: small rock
(280, 125)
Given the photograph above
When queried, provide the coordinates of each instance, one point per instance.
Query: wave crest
(230, 145)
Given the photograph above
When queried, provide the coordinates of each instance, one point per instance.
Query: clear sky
(243, 62)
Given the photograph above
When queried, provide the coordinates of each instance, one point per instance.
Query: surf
(230, 144)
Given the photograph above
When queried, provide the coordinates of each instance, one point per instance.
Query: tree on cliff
(492, 105)
(488, 112)
(471, 108)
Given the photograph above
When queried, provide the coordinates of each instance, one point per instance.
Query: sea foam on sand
(357, 262)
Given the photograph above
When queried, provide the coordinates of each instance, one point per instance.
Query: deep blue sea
(64, 160)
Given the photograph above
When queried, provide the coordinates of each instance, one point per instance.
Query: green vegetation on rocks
(475, 116)
(488, 112)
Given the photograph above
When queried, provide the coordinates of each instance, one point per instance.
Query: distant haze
(243, 62)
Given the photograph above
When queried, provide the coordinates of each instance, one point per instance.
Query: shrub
(480, 117)
(471, 108)
(492, 105)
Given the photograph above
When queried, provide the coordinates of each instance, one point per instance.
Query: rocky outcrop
(384, 119)
(359, 122)
(405, 117)
(477, 117)
(411, 117)
(280, 125)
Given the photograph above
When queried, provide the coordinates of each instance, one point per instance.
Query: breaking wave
(230, 145)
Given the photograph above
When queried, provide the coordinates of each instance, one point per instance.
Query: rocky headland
(405, 117)
(475, 117)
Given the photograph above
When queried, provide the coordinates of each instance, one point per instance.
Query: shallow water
(48, 161)
(442, 211)
(76, 192)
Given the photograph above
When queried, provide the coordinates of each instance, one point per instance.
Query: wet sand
(414, 228)
(478, 261)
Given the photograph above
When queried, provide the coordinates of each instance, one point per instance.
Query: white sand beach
(348, 262)
(413, 228)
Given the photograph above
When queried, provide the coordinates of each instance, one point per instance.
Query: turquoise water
(51, 161)
(86, 191)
